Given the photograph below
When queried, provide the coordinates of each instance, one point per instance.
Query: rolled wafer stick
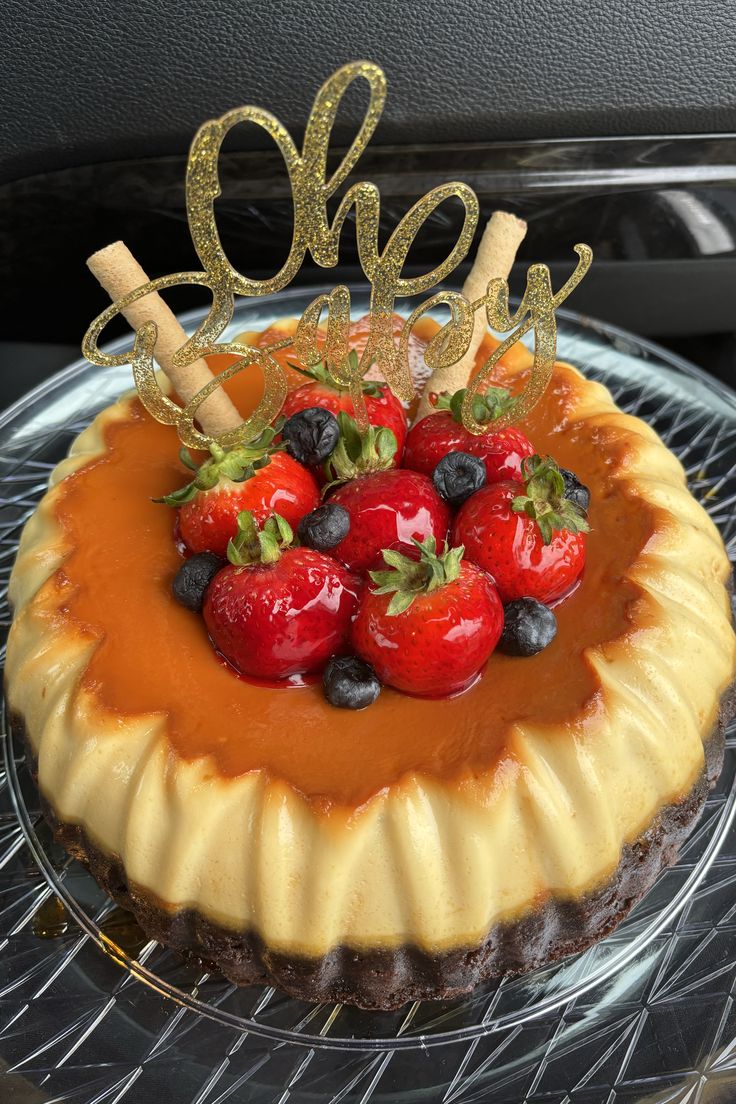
(501, 239)
(119, 273)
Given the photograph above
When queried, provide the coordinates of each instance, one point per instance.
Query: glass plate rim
(406, 1042)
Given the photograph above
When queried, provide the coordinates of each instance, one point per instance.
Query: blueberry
(457, 476)
(528, 626)
(311, 435)
(575, 491)
(324, 527)
(350, 683)
(193, 578)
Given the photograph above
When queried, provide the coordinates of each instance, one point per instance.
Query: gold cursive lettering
(536, 311)
(314, 233)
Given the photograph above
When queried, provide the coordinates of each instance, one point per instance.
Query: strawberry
(277, 611)
(360, 332)
(429, 623)
(388, 507)
(434, 436)
(532, 543)
(254, 477)
(383, 408)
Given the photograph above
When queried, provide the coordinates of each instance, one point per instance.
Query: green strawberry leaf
(187, 459)
(400, 602)
(237, 465)
(323, 374)
(544, 499)
(254, 544)
(180, 497)
(486, 408)
(359, 453)
(407, 578)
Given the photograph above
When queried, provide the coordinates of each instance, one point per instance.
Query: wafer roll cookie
(119, 273)
(501, 239)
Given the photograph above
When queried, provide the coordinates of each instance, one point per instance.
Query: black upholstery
(97, 96)
(86, 81)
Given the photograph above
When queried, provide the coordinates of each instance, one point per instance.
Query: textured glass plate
(647, 1013)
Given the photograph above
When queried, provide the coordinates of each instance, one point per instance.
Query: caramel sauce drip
(121, 930)
(51, 919)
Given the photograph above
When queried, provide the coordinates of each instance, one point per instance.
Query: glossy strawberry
(442, 432)
(531, 539)
(360, 330)
(255, 477)
(419, 370)
(277, 611)
(387, 507)
(388, 510)
(429, 623)
(383, 408)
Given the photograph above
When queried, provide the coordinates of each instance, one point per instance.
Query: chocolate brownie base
(388, 979)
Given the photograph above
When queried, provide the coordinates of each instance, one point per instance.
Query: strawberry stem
(545, 501)
(254, 544)
(323, 374)
(236, 464)
(486, 408)
(407, 578)
(359, 453)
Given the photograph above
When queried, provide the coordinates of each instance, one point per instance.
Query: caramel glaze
(155, 656)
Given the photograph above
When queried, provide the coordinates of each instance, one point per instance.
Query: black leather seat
(85, 82)
(540, 106)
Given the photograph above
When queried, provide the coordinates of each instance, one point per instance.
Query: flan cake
(406, 850)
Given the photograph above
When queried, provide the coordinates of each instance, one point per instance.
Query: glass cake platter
(91, 1011)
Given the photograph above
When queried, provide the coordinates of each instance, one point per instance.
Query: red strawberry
(437, 434)
(360, 332)
(439, 628)
(250, 477)
(388, 508)
(277, 611)
(383, 408)
(533, 544)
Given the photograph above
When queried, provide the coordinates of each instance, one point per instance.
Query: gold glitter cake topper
(314, 233)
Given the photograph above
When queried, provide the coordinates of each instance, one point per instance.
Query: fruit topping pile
(396, 557)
